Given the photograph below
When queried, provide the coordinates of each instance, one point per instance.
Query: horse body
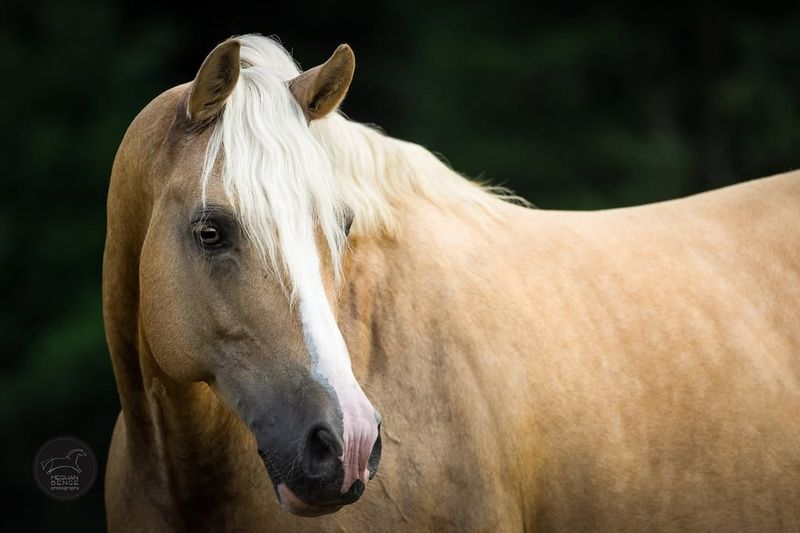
(633, 369)
(625, 370)
(665, 363)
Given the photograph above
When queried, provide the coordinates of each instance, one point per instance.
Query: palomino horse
(627, 370)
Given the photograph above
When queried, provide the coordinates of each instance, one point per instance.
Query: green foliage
(617, 107)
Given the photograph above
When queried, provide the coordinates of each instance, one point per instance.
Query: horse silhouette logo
(69, 461)
(65, 468)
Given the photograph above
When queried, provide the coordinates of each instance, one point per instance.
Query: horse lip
(271, 472)
(301, 508)
(291, 503)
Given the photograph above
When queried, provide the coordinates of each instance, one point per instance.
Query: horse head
(240, 263)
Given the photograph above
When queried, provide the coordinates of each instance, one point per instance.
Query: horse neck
(400, 278)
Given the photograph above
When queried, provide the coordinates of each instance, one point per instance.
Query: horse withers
(275, 276)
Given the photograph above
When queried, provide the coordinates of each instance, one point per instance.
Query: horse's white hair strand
(289, 180)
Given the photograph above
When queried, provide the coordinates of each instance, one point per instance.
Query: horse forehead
(178, 168)
(185, 157)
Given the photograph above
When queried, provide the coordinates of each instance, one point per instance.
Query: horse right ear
(214, 82)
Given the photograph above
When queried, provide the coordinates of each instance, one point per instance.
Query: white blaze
(281, 181)
(330, 362)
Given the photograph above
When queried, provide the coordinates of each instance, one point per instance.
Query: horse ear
(321, 89)
(214, 82)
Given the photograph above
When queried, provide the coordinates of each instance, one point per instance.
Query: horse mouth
(294, 504)
(271, 472)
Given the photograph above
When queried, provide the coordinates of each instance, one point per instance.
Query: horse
(309, 318)
(69, 462)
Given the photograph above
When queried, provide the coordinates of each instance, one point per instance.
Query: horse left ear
(321, 89)
(214, 82)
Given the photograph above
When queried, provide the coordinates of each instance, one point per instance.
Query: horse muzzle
(324, 472)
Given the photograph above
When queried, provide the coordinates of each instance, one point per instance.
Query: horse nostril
(319, 444)
(322, 453)
(375, 455)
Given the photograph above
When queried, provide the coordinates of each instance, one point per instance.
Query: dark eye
(209, 235)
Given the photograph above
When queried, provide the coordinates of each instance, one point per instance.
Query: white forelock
(289, 180)
(277, 176)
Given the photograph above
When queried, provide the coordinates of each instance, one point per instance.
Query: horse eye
(209, 236)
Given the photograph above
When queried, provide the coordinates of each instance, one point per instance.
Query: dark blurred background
(618, 106)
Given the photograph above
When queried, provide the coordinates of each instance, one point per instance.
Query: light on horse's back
(276, 275)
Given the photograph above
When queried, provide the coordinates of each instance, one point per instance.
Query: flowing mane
(286, 183)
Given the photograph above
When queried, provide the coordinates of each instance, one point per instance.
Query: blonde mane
(288, 180)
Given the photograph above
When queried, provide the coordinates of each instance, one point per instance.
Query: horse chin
(292, 504)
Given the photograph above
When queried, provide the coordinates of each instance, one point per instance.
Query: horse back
(668, 363)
